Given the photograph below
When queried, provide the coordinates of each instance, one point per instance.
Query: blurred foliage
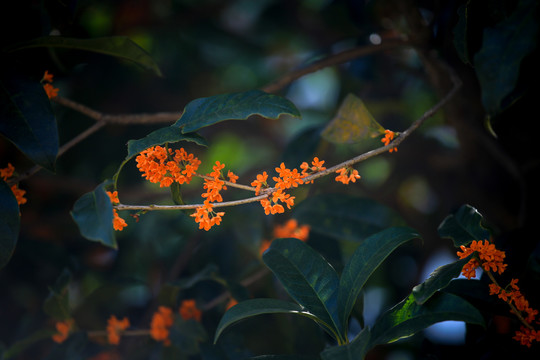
(214, 47)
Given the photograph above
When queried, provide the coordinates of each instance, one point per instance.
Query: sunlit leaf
(464, 226)
(9, 223)
(236, 106)
(504, 46)
(308, 278)
(408, 317)
(93, 213)
(27, 118)
(438, 280)
(352, 123)
(345, 217)
(355, 350)
(120, 47)
(249, 308)
(367, 257)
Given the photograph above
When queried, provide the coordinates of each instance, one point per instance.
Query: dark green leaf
(169, 134)
(355, 350)
(365, 260)
(236, 106)
(438, 280)
(302, 147)
(93, 213)
(460, 33)
(9, 223)
(308, 278)
(254, 307)
(27, 119)
(56, 305)
(408, 317)
(504, 46)
(463, 227)
(345, 217)
(118, 46)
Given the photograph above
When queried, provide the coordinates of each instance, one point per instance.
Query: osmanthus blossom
(6, 173)
(487, 256)
(115, 327)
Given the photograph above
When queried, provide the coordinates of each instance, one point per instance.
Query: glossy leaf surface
(93, 214)
(464, 226)
(345, 217)
(246, 309)
(504, 47)
(27, 119)
(438, 280)
(364, 261)
(308, 278)
(355, 350)
(236, 106)
(408, 317)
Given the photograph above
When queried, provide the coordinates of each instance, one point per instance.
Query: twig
(336, 59)
(402, 136)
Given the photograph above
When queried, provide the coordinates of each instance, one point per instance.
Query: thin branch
(331, 60)
(362, 157)
(228, 183)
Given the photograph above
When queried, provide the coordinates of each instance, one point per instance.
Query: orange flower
(162, 320)
(265, 244)
(232, 177)
(5, 174)
(388, 137)
(527, 336)
(51, 91)
(488, 257)
(206, 217)
(260, 182)
(63, 329)
(165, 166)
(291, 230)
(114, 329)
(188, 310)
(113, 196)
(47, 77)
(317, 165)
(346, 175)
(287, 178)
(232, 302)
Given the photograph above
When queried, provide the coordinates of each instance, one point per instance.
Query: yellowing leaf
(352, 123)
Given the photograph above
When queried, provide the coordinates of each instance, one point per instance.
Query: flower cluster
(162, 321)
(188, 310)
(118, 223)
(63, 329)
(388, 137)
(114, 329)
(317, 165)
(204, 215)
(286, 179)
(347, 174)
(47, 80)
(165, 166)
(492, 259)
(7, 173)
(488, 257)
(288, 230)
